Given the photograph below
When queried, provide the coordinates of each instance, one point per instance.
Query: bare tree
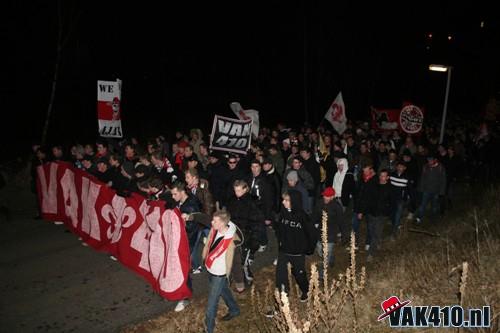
(62, 40)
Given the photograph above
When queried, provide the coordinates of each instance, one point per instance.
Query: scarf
(221, 244)
(366, 178)
(338, 179)
(193, 188)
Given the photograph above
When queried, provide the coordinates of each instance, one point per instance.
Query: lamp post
(443, 68)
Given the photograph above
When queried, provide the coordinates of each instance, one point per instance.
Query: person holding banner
(187, 204)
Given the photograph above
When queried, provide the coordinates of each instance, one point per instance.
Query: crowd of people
(232, 203)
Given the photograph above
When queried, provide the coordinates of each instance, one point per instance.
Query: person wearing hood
(196, 140)
(344, 185)
(218, 256)
(296, 237)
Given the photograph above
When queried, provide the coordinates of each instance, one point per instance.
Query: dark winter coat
(295, 232)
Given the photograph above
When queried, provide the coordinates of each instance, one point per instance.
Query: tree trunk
(52, 95)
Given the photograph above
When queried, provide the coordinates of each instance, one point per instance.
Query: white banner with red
(336, 115)
(109, 98)
(144, 236)
(408, 119)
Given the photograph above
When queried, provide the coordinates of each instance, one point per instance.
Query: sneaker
(275, 262)
(410, 216)
(262, 248)
(339, 235)
(230, 316)
(113, 258)
(58, 222)
(303, 298)
(418, 220)
(181, 305)
(197, 270)
(270, 314)
(367, 247)
(85, 244)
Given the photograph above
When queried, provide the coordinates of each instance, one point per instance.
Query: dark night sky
(180, 65)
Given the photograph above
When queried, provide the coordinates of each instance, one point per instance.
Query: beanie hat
(328, 192)
(292, 176)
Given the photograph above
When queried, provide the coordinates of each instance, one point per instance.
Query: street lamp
(443, 68)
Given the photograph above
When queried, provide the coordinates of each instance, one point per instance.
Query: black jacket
(295, 232)
(274, 181)
(383, 200)
(334, 212)
(262, 193)
(244, 212)
(313, 168)
(365, 202)
(348, 188)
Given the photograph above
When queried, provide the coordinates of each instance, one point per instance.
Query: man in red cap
(334, 212)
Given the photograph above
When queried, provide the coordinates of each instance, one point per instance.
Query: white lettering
(224, 127)
(236, 130)
(49, 193)
(70, 196)
(140, 239)
(90, 223)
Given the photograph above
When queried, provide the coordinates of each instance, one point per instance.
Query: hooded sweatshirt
(343, 182)
(295, 232)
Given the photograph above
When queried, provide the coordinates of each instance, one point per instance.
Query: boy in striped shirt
(399, 195)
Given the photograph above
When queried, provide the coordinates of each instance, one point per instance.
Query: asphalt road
(49, 282)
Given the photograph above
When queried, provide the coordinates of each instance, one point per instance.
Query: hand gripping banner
(144, 236)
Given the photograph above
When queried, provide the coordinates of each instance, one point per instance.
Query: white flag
(245, 115)
(336, 114)
(109, 108)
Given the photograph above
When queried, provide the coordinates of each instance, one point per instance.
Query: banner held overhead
(233, 135)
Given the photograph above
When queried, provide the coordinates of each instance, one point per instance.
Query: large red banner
(144, 236)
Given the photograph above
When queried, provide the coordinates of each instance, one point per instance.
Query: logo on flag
(411, 119)
(109, 108)
(336, 114)
(245, 115)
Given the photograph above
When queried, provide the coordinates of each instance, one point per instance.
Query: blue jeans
(396, 216)
(427, 197)
(355, 227)
(218, 286)
(319, 250)
(375, 227)
(195, 252)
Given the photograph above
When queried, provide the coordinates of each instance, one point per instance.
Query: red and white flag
(109, 108)
(336, 114)
(245, 115)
